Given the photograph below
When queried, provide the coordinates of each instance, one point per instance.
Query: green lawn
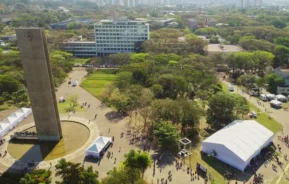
(63, 108)
(265, 120)
(97, 82)
(262, 117)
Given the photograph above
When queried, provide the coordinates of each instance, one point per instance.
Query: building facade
(119, 36)
(283, 73)
(111, 37)
(80, 49)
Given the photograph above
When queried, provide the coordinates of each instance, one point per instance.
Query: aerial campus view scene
(144, 91)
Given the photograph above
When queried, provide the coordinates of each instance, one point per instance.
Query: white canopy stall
(238, 143)
(97, 147)
(13, 120)
(4, 129)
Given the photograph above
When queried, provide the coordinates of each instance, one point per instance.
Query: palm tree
(62, 169)
(89, 176)
(27, 179)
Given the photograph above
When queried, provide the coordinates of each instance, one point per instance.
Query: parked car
(281, 98)
(263, 97)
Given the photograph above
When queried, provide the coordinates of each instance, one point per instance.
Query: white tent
(4, 129)
(98, 146)
(25, 111)
(13, 120)
(238, 143)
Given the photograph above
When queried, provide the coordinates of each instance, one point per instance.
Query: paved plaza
(104, 127)
(101, 125)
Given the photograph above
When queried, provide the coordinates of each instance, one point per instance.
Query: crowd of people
(25, 134)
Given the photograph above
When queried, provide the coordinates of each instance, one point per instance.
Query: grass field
(63, 108)
(97, 82)
(262, 117)
(266, 120)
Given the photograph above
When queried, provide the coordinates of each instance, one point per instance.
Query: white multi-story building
(119, 36)
(111, 37)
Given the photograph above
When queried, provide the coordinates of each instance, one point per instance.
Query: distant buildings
(63, 24)
(163, 22)
(194, 23)
(250, 3)
(130, 3)
(6, 19)
(111, 36)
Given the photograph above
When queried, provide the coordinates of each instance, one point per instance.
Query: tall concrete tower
(35, 60)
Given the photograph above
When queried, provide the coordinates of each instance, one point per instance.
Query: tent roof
(98, 144)
(3, 126)
(242, 137)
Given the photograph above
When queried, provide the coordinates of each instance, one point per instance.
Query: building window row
(120, 34)
(120, 38)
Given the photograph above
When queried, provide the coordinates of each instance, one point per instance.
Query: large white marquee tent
(13, 120)
(98, 146)
(238, 143)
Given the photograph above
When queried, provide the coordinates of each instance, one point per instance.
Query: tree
(279, 24)
(221, 109)
(282, 55)
(273, 82)
(90, 176)
(124, 79)
(282, 41)
(73, 173)
(27, 179)
(157, 90)
(138, 160)
(241, 105)
(119, 100)
(214, 40)
(167, 136)
(123, 175)
(8, 84)
(173, 85)
(262, 59)
(73, 102)
(145, 100)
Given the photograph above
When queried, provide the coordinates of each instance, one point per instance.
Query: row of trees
(12, 82)
(252, 62)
